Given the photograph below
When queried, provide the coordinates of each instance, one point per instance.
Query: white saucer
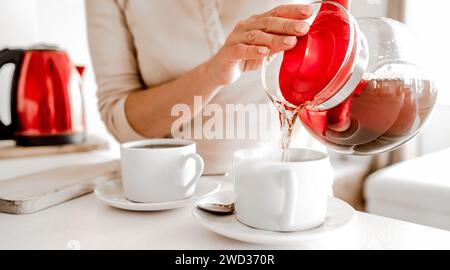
(339, 215)
(112, 194)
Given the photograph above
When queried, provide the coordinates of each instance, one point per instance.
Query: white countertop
(89, 224)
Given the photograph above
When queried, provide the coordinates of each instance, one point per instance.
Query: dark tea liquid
(159, 146)
(380, 115)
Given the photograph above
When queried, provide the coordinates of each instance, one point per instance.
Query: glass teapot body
(362, 93)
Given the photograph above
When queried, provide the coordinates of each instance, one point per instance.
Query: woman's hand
(253, 39)
(150, 112)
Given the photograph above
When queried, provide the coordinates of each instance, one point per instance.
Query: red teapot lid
(327, 64)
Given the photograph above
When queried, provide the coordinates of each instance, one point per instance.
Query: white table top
(89, 224)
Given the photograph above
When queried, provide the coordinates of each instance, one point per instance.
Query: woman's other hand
(253, 39)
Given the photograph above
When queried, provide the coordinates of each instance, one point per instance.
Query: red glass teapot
(359, 86)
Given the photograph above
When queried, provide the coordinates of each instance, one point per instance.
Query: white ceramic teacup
(160, 170)
(282, 196)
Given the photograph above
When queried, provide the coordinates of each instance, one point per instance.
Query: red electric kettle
(41, 99)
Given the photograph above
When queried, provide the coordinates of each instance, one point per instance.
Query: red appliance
(41, 99)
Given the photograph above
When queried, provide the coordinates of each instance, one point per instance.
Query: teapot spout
(81, 70)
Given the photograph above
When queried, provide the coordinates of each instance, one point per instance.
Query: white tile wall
(18, 23)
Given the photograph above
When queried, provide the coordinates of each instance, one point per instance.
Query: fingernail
(301, 28)
(290, 40)
(263, 50)
(306, 11)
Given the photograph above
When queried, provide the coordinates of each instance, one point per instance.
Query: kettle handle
(10, 57)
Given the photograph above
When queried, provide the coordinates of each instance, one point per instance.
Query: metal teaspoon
(217, 209)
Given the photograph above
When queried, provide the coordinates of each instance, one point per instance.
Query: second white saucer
(339, 215)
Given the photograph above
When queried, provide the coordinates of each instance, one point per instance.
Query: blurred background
(62, 22)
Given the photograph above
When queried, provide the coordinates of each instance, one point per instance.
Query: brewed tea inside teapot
(359, 86)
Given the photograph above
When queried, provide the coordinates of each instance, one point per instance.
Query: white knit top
(137, 44)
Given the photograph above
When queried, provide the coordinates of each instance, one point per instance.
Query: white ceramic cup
(160, 170)
(282, 196)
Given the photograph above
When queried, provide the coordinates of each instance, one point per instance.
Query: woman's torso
(172, 37)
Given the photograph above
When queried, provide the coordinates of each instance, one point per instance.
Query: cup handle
(200, 165)
(289, 180)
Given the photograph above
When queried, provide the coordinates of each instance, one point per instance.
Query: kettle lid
(44, 47)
